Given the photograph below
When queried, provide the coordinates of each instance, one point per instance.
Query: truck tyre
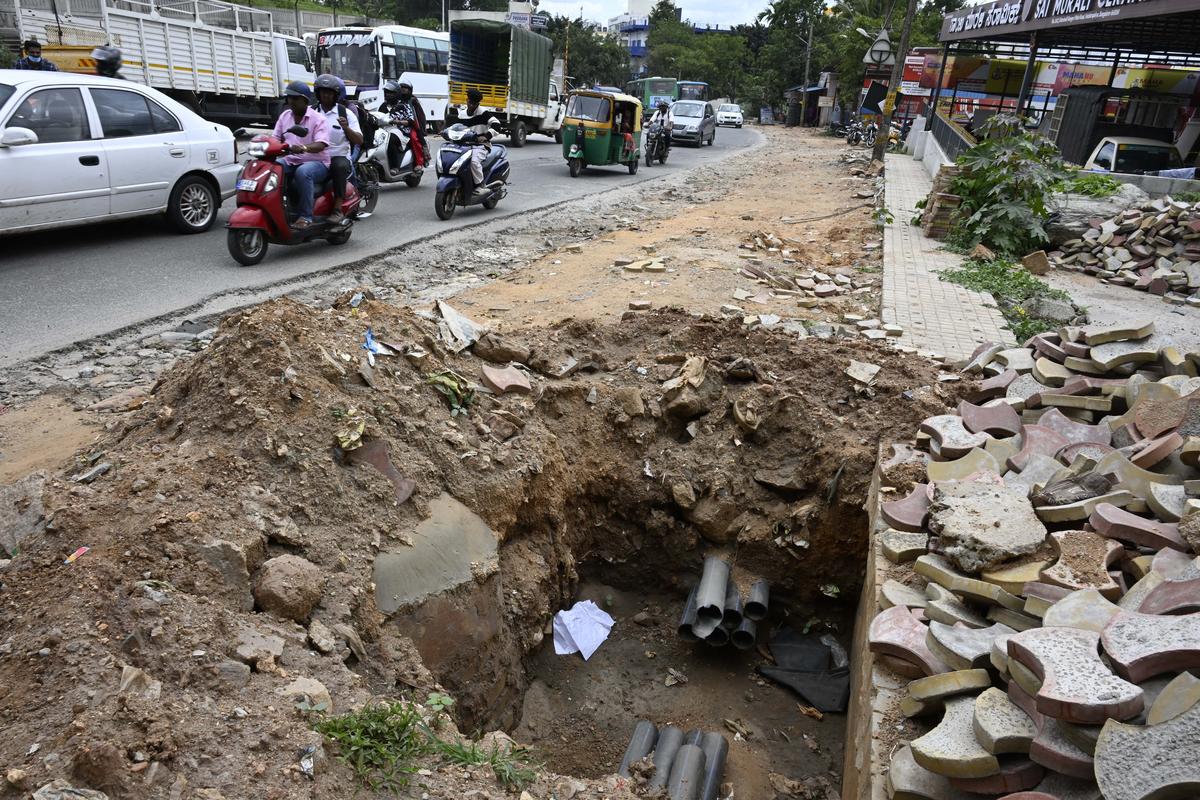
(518, 134)
(248, 246)
(192, 207)
(558, 136)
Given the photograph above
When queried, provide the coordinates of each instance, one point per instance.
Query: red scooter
(264, 216)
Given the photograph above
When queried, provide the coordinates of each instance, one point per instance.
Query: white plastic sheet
(581, 629)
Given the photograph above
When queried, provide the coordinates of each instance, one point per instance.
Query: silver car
(695, 122)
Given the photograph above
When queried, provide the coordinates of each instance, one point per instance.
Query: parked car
(78, 149)
(695, 122)
(1131, 154)
(729, 114)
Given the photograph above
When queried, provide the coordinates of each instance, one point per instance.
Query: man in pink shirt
(308, 165)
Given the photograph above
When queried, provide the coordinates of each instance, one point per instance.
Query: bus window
(391, 63)
(403, 40)
(428, 61)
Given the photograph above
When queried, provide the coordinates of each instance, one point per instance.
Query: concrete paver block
(1023, 388)
(1167, 501)
(1083, 561)
(1076, 685)
(950, 749)
(1000, 725)
(1000, 421)
(1037, 473)
(901, 547)
(1090, 450)
(1082, 509)
(1157, 414)
(1102, 334)
(908, 780)
(1135, 762)
(1017, 620)
(976, 461)
(895, 593)
(962, 647)
(1019, 359)
(1050, 747)
(1181, 694)
(910, 512)
(1015, 774)
(1073, 431)
(1050, 373)
(1172, 597)
(1085, 609)
(1175, 566)
(953, 438)
(995, 386)
(1131, 477)
(896, 632)
(1039, 597)
(1037, 439)
(1116, 523)
(1136, 595)
(1150, 452)
(938, 570)
(944, 606)
(1141, 646)
(1012, 577)
(928, 695)
(979, 526)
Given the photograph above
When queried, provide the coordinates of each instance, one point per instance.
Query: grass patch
(514, 769)
(1011, 284)
(1093, 184)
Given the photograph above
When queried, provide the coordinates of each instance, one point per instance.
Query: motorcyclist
(662, 116)
(108, 61)
(399, 104)
(308, 165)
(475, 118)
(344, 133)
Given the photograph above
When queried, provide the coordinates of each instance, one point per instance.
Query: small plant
(439, 702)
(1187, 197)
(514, 769)
(379, 742)
(455, 387)
(883, 216)
(1093, 184)
(1011, 285)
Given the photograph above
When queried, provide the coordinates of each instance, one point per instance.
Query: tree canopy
(592, 56)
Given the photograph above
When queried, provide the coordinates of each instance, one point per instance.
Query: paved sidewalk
(937, 316)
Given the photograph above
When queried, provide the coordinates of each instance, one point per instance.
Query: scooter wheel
(248, 246)
(491, 203)
(413, 181)
(633, 166)
(444, 203)
(341, 237)
(370, 196)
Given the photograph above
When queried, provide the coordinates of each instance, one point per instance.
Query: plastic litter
(74, 556)
(581, 629)
(457, 331)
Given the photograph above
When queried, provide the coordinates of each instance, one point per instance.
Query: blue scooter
(456, 186)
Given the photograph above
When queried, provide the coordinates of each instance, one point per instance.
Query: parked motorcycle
(456, 186)
(264, 216)
(374, 163)
(656, 144)
(854, 132)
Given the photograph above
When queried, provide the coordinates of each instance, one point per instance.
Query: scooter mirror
(298, 130)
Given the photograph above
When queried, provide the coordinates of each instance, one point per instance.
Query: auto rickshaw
(601, 128)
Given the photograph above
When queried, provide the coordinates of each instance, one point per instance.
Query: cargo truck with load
(512, 67)
(222, 60)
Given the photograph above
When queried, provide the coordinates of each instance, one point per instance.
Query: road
(66, 286)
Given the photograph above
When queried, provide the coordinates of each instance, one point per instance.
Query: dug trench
(285, 531)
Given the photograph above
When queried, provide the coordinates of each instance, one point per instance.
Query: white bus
(366, 57)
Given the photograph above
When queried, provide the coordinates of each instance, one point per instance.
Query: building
(632, 29)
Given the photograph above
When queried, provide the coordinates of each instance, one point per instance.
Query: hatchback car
(694, 122)
(1132, 155)
(78, 149)
(729, 114)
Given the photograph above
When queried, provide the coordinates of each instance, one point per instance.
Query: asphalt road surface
(70, 285)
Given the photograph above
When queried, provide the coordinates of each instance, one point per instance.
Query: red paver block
(909, 513)
(951, 435)
(1149, 452)
(896, 632)
(1136, 762)
(1083, 561)
(1075, 432)
(1015, 774)
(995, 386)
(502, 380)
(1117, 523)
(1050, 747)
(1175, 566)
(1076, 685)
(1141, 646)
(1000, 421)
(1172, 597)
(1093, 450)
(1035, 440)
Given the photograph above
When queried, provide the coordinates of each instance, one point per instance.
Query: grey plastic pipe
(710, 595)
(744, 637)
(669, 740)
(731, 617)
(704, 627)
(716, 748)
(688, 619)
(718, 638)
(640, 745)
(693, 737)
(758, 599)
(687, 774)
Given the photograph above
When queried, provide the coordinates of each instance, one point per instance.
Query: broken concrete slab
(1102, 334)
(979, 526)
(1140, 351)
(1135, 762)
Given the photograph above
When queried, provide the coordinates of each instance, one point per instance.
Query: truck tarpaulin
(489, 52)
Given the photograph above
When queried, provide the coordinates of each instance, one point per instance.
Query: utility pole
(807, 62)
(894, 84)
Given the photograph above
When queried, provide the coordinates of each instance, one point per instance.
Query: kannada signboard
(1001, 17)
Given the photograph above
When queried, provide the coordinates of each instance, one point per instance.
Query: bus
(693, 90)
(651, 90)
(367, 57)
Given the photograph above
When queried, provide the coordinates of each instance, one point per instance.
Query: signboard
(824, 102)
(910, 78)
(539, 21)
(1025, 16)
(880, 54)
(520, 20)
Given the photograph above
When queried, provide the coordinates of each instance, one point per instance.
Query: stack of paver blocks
(1046, 609)
(1155, 248)
(941, 205)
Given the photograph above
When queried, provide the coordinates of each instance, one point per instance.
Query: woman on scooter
(344, 131)
(308, 165)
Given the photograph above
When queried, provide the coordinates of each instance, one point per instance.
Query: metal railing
(950, 136)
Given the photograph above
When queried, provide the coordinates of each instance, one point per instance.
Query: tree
(675, 49)
(592, 56)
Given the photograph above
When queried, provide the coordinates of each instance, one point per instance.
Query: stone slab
(979, 526)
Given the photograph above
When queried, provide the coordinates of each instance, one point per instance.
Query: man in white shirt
(344, 132)
(662, 116)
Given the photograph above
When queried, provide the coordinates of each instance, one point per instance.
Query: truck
(223, 61)
(514, 70)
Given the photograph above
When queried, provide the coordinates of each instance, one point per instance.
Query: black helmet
(474, 95)
(327, 81)
(298, 89)
(108, 59)
(663, 105)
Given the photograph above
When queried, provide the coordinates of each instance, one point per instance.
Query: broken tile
(909, 780)
(1076, 684)
(1135, 762)
(1016, 774)
(976, 461)
(1181, 694)
(909, 513)
(952, 437)
(502, 380)
(1141, 646)
(1131, 477)
(950, 748)
(1116, 523)
(895, 593)
(964, 648)
(1072, 431)
(937, 569)
(980, 526)
(1037, 440)
(1083, 561)
(1000, 421)
(1012, 576)
(1000, 725)
(1083, 509)
(901, 547)
(896, 632)
(944, 606)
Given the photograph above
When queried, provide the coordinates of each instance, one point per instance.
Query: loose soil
(246, 451)
(42, 434)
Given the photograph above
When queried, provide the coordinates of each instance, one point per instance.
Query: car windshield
(593, 109)
(1146, 158)
(688, 109)
(731, 109)
(5, 92)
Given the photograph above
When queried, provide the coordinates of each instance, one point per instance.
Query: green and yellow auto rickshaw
(601, 128)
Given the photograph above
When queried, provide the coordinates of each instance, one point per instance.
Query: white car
(729, 114)
(80, 148)
(1132, 154)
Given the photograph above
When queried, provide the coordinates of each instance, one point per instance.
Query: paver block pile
(1046, 600)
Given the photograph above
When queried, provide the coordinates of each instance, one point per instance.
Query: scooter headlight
(272, 183)
(257, 149)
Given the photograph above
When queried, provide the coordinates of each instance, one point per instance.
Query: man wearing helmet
(662, 116)
(476, 118)
(308, 165)
(399, 104)
(344, 132)
(108, 61)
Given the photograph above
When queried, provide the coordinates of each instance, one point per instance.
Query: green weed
(514, 769)
(1011, 284)
(1093, 184)
(379, 742)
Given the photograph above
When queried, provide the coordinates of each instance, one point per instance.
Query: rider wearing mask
(108, 61)
(308, 165)
(476, 118)
(399, 103)
(33, 58)
(662, 116)
(344, 133)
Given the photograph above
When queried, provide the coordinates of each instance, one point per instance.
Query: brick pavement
(937, 316)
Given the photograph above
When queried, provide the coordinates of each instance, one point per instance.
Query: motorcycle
(456, 186)
(374, 164)
(656, 144)
(854, 132)
(264, 217)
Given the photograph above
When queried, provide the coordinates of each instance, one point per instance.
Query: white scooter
(373, 162)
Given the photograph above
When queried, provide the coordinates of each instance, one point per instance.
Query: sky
(704, 12)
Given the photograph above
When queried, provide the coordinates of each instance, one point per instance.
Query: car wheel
(193, 205)
(248, 246)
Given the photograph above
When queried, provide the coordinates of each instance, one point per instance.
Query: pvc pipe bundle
(689, 767)
(714, 612)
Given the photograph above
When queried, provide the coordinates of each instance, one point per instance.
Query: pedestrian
(33, 58)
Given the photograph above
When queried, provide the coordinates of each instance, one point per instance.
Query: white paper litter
(581, 629)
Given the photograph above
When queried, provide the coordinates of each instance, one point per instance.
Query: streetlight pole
(807, 62)
(894, 83)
